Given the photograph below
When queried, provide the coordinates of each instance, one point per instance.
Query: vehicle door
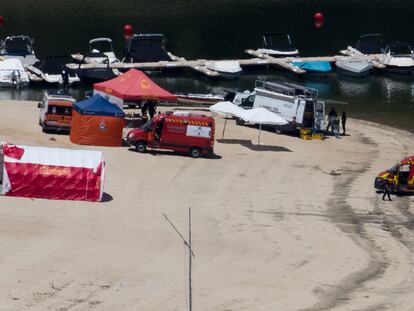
(410, 182)
(151, 140)
(300, 112)
(403, 174)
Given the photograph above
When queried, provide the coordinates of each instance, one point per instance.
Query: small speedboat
(313, 67)
(226, 68)
(12, 73)
(97, 47)
(20, 47)
(199, 99)
(94, 73)
(278, 45)
(366, 45)
(53, 70)
(354, 65)
(398, 58)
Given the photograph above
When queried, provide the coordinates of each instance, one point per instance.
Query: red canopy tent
(132, 86)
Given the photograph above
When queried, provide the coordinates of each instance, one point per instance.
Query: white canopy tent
(262, 116)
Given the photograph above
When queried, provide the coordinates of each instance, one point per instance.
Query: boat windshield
(277, 41)
(17, 47)
(100, 46)
(370, 44)
(400, 49)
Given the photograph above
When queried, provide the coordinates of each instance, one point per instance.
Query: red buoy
(1, 20)
(128, 31)
(318, 19)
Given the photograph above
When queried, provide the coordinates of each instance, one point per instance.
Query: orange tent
(97, 122)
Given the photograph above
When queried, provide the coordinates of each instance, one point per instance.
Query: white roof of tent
(58, 157)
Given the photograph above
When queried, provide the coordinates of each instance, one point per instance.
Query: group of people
(333, 122)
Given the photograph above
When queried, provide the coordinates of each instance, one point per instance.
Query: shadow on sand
(248, 144)
(106, 197)
(176, 154)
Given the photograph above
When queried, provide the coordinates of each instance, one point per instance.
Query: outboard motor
(15, 78)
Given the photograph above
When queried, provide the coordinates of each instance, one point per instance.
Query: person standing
(386, 190)
(336, 127)
(331, 117)
(343, 119)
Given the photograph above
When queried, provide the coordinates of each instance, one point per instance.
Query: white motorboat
(101, 51)
(354, 65)
(278, 45)
(12, 73)
(53, 70)
(367, 44)
(399, 58)
(199, 99)
(20, 47)
(226, 68)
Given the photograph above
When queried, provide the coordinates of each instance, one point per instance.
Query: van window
(59, 110)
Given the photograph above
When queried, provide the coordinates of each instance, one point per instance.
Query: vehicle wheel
(141, 146)
(195, 152)
(44, 129)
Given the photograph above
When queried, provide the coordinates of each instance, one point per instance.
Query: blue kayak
(319, 66)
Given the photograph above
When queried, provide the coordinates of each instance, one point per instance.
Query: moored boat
(226, 68)
(354, 65)
(313, 67)
(20, 47)
(399, 58)
(199, 99)
(278, 45)
(12, 74)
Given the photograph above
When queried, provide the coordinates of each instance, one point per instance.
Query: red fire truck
(176, 131)
(400, 177)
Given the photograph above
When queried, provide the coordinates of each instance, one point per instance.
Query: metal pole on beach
(190, 255)
(258, 141)
(224, 128)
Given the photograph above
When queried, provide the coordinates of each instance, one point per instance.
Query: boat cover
(147, 48)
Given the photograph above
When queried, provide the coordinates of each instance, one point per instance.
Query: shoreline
(297, 219)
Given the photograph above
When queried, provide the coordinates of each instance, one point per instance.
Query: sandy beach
(296, 225)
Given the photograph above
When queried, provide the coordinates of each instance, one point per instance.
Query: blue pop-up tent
(97, 122)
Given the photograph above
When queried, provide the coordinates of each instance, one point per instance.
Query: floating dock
(200, 65)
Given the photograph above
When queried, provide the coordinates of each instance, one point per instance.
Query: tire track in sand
(341, 213)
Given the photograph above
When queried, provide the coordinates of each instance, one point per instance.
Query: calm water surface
(224, 29)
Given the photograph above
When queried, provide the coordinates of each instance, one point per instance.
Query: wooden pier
(200, 65)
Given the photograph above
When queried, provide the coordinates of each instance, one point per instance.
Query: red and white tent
(53, 173)
(132, 86)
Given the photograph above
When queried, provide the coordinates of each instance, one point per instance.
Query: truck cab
(176, 131)
(400, 177)
(56, 111)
